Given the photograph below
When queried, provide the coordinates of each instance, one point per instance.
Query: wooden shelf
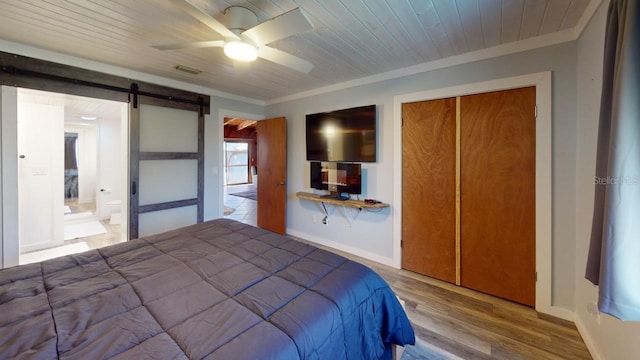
(348, 203)
(344, 204)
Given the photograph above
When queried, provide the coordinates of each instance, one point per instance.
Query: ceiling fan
(245, 39)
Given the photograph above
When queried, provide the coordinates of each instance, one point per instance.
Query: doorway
(240, 170)
(271, 168)
(71, 170)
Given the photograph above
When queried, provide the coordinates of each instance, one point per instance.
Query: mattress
(216, 290)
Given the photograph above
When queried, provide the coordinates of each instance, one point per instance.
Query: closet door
(166, 166)
(498, 194)
(429, 188)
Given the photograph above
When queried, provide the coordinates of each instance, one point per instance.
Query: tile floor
(113, 236)
(245, 210)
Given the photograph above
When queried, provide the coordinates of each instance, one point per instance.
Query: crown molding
(483, 54)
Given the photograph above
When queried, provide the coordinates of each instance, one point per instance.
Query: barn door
(272, 174)
(166, 166)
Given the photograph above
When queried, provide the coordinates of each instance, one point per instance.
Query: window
(236, 162)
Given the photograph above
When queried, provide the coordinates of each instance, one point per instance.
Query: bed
(216, 290)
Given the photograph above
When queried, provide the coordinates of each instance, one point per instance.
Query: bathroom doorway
(72, 170)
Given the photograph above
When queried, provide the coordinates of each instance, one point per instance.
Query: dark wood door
(429, 188)
(497, 183)
(272, 174)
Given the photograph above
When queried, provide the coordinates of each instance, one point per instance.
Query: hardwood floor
(473, 325)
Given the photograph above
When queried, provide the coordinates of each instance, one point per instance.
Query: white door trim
(10, 253)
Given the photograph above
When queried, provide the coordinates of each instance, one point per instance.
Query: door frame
(542, 81)
(32, 73)
(9, 202)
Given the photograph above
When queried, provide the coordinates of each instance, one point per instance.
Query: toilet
(114, 206)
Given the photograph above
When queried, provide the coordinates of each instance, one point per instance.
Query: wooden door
(497, 182)
(272, 174)
(166, 166)
(429, 188)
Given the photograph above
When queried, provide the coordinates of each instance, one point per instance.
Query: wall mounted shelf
(345, 204)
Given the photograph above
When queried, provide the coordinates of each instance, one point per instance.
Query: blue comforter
(216, 290)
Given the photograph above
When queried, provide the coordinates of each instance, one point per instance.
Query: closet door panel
(429, 188)
(498, 194)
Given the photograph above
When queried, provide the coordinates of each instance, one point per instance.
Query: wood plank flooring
(473, 325)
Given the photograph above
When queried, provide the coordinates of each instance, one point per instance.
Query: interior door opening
(240, 170)
(71, 173)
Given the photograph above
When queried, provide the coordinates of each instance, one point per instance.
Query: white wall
(607, 337)
(371, 233)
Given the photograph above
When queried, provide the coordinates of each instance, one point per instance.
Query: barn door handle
(134, 188)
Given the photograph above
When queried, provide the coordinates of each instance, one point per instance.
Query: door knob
(282, 183)
(22, 156)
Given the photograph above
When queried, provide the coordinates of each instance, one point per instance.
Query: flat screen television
(347, 135)
(337, 178)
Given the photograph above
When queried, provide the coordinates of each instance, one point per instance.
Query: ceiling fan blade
(285, 59)
(190, 45)
(193, 10)
(282, 26)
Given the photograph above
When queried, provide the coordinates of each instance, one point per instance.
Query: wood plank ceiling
(351, 38)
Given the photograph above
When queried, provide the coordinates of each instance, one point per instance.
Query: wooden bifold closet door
(429, 188)
(498, 166)
(489, 224)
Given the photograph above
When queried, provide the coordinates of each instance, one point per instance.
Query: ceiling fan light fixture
(241, 51)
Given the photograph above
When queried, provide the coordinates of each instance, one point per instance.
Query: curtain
(614, 253)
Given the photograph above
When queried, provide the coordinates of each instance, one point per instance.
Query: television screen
(336, 177)
(347, 135)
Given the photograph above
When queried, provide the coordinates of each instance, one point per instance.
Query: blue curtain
(614, 253)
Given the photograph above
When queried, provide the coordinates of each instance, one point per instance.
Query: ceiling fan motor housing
(239, 19)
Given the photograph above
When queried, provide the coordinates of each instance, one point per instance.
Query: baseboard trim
(341, 247)
(39, 246)
(588, 340)
(557, 312)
